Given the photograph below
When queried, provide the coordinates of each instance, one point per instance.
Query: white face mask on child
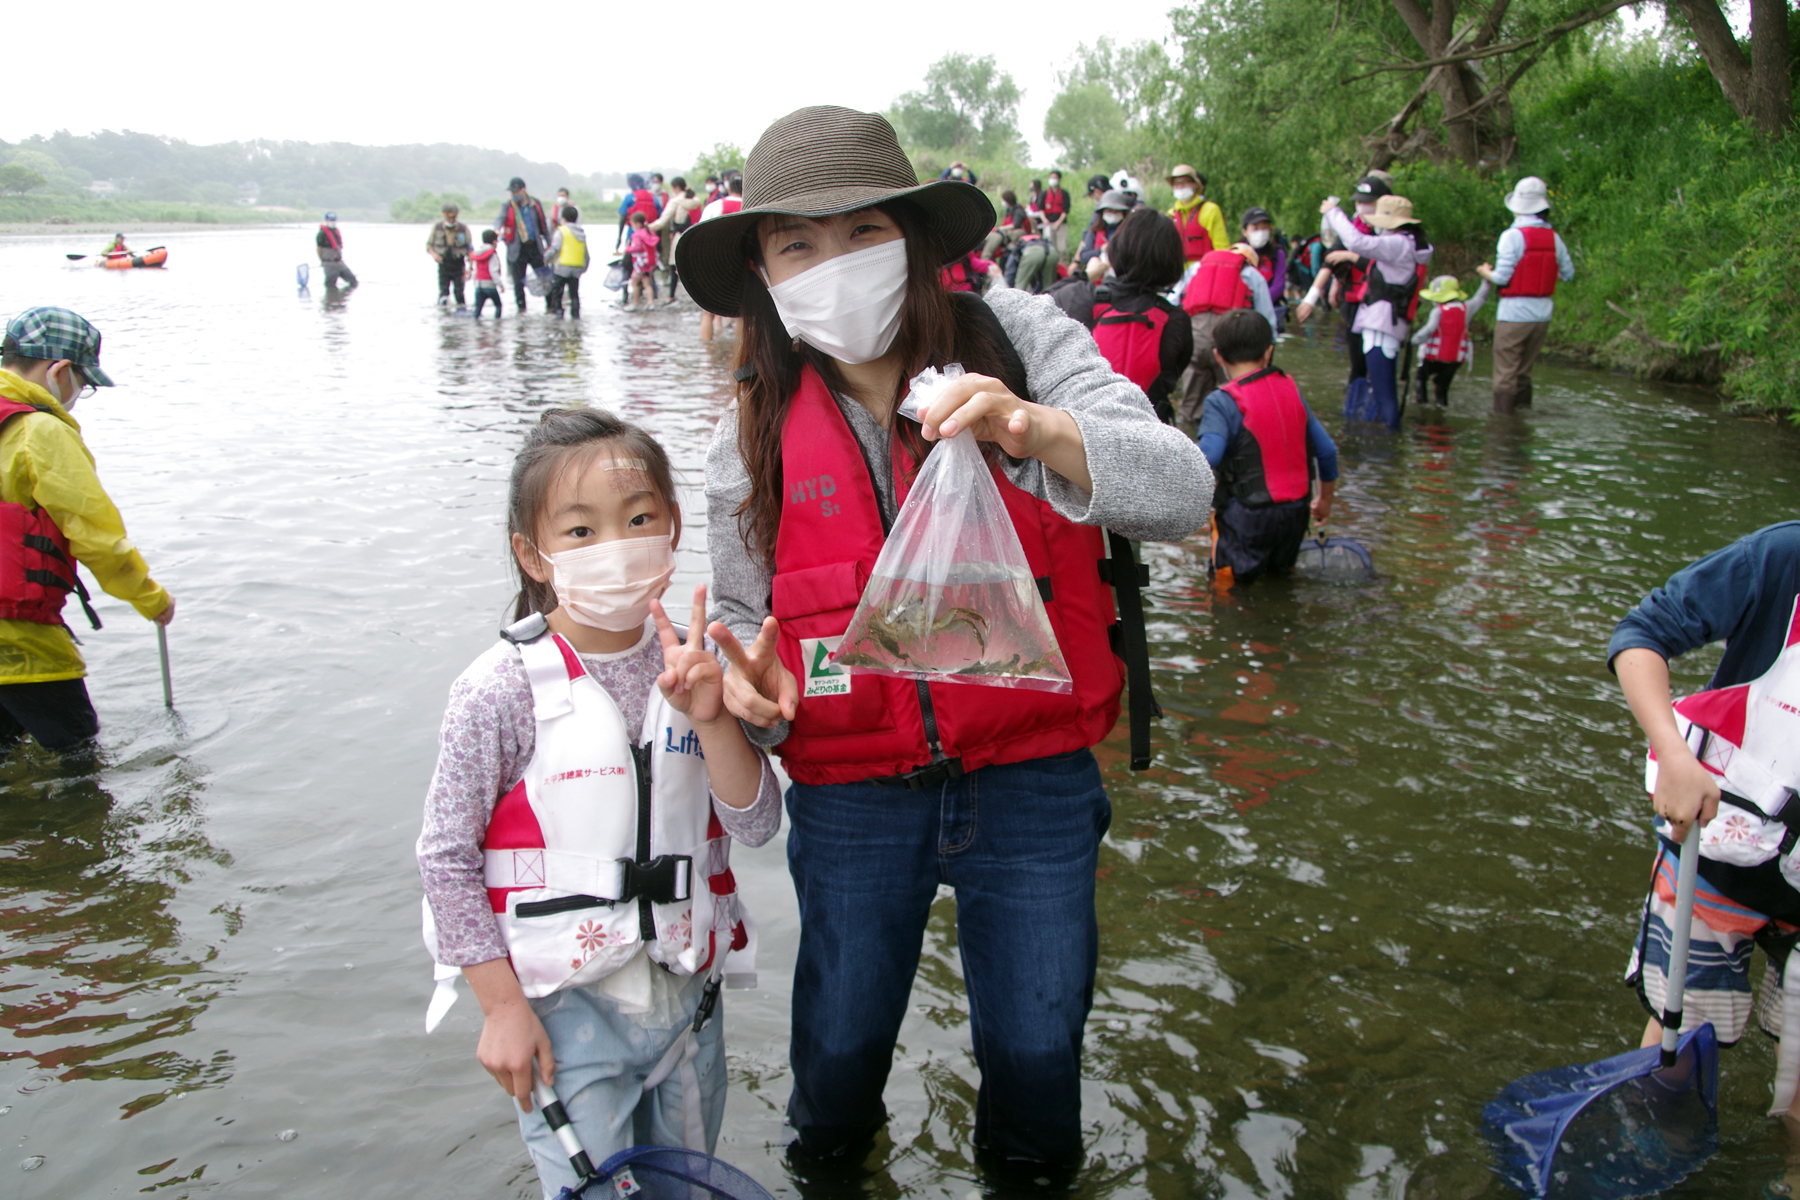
(610, 585)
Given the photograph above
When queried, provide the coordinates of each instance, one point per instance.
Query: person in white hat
(1529, 262)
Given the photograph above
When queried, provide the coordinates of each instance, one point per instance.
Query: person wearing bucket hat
(450, 243)
(52, 503)
(1112, 208)
(1399, 252)
(833, 268)
(1199, 221)
(1529, 262)
(1443, 338)
(330, 245)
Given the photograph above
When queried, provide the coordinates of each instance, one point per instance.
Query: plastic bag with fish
(951, 599)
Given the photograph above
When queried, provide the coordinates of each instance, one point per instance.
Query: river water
(1388, 857)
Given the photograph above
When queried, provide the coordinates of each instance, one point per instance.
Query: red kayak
(124, 262)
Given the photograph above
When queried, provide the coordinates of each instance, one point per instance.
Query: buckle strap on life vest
(1128, 579)
(44, 545)
(665, 879)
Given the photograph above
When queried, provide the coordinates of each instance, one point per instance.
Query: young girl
(575, 853)
(1444, 337)
(642, 248)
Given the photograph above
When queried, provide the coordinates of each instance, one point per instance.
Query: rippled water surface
(1387, 859)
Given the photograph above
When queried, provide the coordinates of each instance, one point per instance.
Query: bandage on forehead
(628, 475)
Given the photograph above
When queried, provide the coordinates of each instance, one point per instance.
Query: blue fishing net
(666, 1173)
(1338, 559)
(1620, 1128)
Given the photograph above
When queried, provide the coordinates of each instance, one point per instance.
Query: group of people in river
(598, 761)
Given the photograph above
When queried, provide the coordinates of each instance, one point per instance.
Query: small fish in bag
(951, 599)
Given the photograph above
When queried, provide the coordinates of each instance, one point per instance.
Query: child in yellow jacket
(53, 512)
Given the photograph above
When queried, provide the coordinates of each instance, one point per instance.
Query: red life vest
(333, 236)
(1218, 286)
(731, 204)
(831, 534)
(644, 202)
(1131, 342)
(959, 276)
(1056, 202)
(37, 571)
(1451, 341)
(1536, 272)
(1268, 462)
(1196, 242)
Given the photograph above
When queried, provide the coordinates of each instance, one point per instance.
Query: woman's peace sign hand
(692, 680)
(758, 688)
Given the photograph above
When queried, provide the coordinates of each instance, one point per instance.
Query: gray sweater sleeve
(1151, 482)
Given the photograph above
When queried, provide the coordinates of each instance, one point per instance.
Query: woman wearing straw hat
(832, 266)
(1400, 250)
(1528, 263)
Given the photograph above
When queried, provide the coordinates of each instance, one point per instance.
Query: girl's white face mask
(848, 306)
(610, 585)
(1257, 238)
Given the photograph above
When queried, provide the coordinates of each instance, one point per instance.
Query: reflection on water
(1386, 861)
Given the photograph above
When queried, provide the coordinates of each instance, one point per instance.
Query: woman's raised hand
(1024, 430)
(692, 680)
(759, 688)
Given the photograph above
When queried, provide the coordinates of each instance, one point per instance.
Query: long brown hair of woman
(934, 331)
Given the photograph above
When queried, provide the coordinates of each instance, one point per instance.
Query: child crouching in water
(575, 852)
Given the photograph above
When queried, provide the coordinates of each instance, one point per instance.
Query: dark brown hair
(1146, 249)
(568, 439)
(935, 331)
(1242, 336)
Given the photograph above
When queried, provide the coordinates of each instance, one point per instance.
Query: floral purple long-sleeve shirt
(488, 736)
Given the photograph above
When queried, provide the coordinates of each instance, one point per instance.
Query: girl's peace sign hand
(692, 680)
(759, 688)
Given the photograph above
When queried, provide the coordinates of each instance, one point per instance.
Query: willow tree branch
(1462, 56)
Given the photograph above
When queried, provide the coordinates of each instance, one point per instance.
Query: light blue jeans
(603, 1057)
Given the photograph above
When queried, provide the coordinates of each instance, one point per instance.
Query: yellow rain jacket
(45, 464)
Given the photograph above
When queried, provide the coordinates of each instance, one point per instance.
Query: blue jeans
(603, 1056)
(1019, 843)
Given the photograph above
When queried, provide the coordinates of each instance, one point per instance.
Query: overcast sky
(624, 87)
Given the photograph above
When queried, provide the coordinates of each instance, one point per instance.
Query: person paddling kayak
(118, 248)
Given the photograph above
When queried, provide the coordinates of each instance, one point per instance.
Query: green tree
(1085, 122)
(15, 178)
(968, 106)
(723, 157)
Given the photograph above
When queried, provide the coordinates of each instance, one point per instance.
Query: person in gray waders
(331, 254)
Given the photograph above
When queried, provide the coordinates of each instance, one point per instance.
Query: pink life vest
(1218, 286)
(1451, 341)
(1748, 736)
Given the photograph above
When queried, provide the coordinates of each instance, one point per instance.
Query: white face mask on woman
(1111, 217)
(1184, 194)
(610, 585)
(1257, 237)
(848, 306)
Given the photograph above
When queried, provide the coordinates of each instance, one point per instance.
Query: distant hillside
(304, 175)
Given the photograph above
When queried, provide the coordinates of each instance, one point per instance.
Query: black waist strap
(936, 773)
(1132, 644)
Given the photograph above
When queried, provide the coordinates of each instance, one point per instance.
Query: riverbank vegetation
(1665, 141)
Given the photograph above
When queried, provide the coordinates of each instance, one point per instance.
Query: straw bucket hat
(1443, 290)
(819, 162)
(1392, 212)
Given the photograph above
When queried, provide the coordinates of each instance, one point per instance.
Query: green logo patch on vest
(822, 678)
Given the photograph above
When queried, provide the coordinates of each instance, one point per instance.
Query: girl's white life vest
(1748, 736)
(607, 845)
